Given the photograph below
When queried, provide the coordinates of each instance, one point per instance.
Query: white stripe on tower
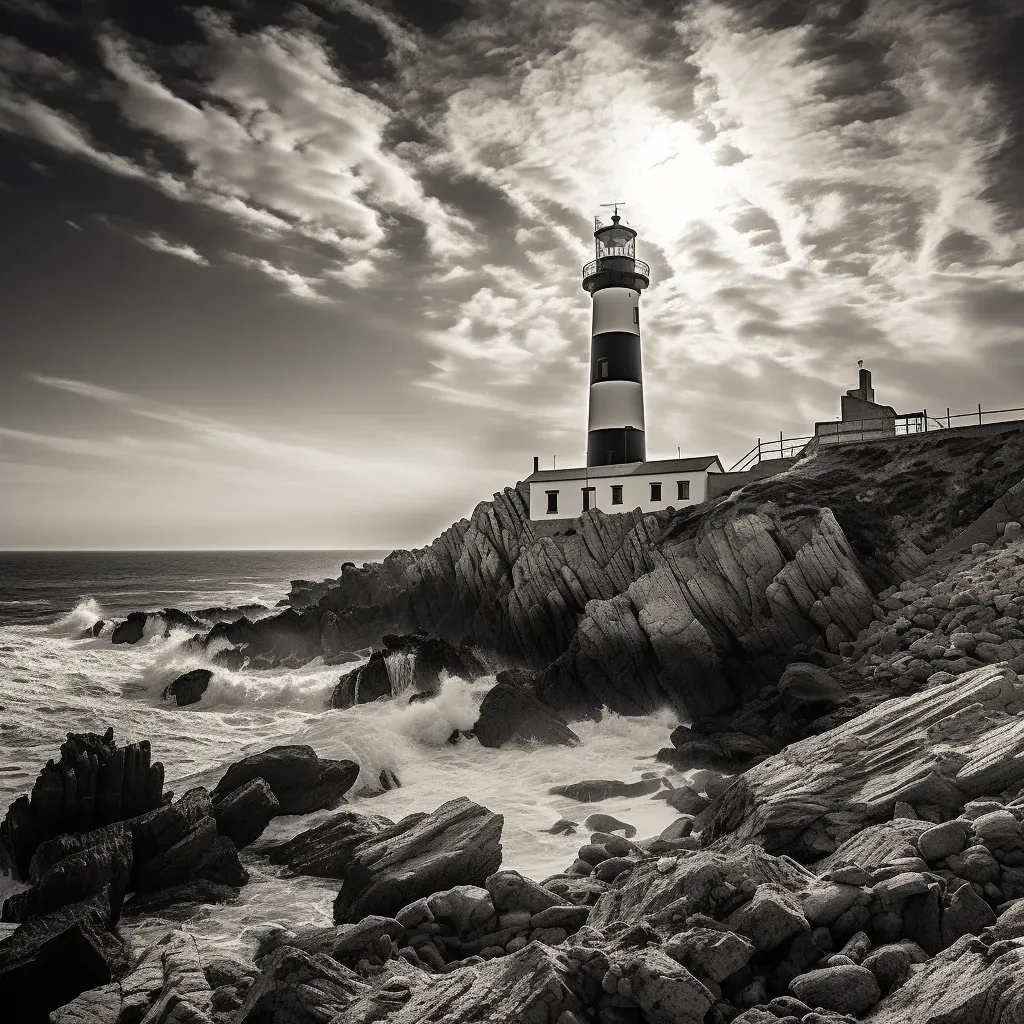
(615, 431)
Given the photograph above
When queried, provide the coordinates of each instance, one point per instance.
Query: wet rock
(300, 780)
(565, 827)
(509, 714)
(683, 799)
(412, 663)
(594, 790)
(188, 688)
(50, 960)
(180, 902)
(606, 823)
(130, 631)
(94, 783)
(73, 869)
(845, 989)
(458, 844)
(326, 849)
(245, 812)
(807, 691)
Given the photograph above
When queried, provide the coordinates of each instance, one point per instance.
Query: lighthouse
(617, 477)
(615, 278)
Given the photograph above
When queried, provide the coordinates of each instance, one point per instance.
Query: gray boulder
(458, 844)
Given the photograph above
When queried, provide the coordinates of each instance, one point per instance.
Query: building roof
(662, 467)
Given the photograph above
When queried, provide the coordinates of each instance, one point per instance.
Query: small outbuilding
(649, 486)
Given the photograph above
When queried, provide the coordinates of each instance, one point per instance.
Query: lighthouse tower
(615, 432)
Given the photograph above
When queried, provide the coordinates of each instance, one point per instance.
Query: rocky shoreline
(846, 641)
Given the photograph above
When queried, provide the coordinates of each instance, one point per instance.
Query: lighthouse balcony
(616, 272)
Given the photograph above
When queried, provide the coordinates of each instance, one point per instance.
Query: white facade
(615, 403)
(616, 309)
(634, 480)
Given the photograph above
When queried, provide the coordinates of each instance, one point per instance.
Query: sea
(54, 681)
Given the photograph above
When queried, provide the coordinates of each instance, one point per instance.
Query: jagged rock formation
(189, 687)
(510, 713)
(697, 609)
(406, 665)
(49, 961)
(94, 783)
(937, 749)
(299, 780)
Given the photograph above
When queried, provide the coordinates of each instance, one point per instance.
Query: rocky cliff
(696, 609)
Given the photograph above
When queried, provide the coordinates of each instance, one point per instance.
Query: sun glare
(665, 175)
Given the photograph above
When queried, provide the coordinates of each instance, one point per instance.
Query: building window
(616, 494)
(636, 314)
(683, 490)
(602, 368)
(656, 492)
(588, 502)
(552, 502)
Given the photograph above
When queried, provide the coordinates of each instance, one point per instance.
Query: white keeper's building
(617, 476)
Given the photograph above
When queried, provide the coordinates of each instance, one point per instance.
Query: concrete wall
(636, 493)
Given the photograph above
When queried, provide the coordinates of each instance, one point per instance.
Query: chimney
(866, 391)
(536, 463)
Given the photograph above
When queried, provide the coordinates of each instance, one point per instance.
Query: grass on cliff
(938, 482)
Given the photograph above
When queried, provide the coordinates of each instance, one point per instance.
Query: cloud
(295, 284)
(158, 243)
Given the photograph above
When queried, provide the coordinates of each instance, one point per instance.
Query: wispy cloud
(294, 282)
(158, 243)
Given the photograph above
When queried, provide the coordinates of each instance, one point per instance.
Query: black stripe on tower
(615, 446)
(615, 355)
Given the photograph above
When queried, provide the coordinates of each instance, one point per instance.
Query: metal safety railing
(594, 265)
(847, 431)
(776, 448)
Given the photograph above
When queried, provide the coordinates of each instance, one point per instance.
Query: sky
(307, 275)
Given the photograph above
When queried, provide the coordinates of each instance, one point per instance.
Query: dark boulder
(727, 751)
(324, 850)
(289, 639)
(332, 643)
(604, 789)
(411, 663)
(179, 901)
(50, 960)
(683, 799)
(300, 780)
(245, 812)
(74, 868)
(807, 691)
(94, 783)
(458, 844)
(188, 688)
(130, 631)
(509, 714)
